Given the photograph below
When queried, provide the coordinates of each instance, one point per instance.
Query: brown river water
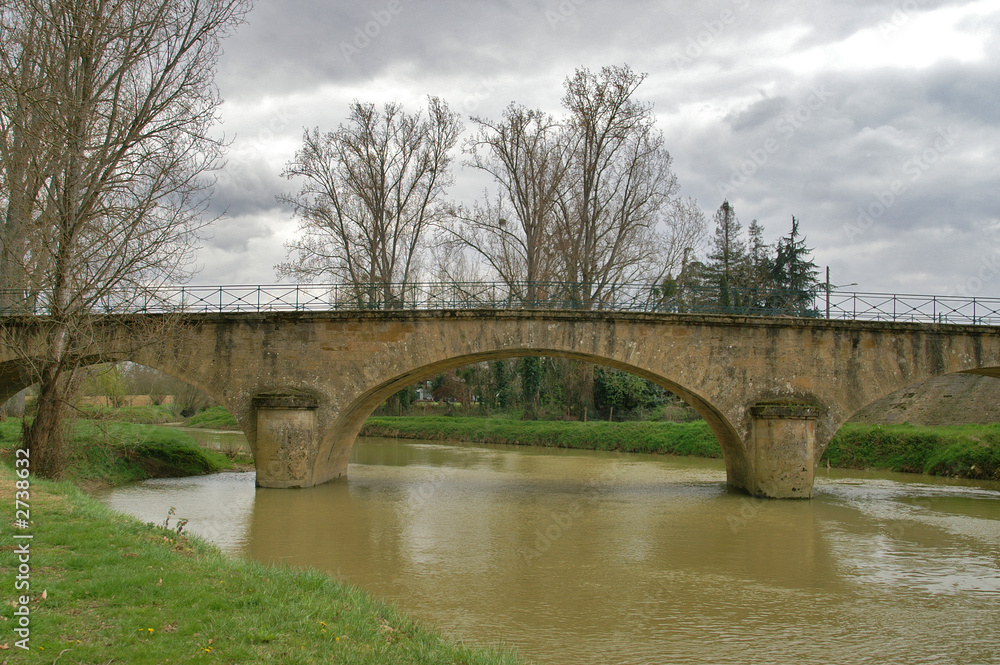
(586, 557)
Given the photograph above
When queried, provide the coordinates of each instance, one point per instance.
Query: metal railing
(819, 303)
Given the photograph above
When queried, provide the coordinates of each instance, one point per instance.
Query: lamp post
(832, 286)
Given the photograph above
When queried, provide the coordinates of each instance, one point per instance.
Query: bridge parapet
(821, 301)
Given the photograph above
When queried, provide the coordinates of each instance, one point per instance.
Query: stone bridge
(774, 390)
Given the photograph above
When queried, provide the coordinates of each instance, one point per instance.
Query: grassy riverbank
(106, 452)
(214, 417)
(964, 451)
(694, 438)
(108, 588)
(970, 451)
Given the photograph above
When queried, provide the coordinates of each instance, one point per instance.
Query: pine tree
(760, 264)
(728, 260)
(794, 274)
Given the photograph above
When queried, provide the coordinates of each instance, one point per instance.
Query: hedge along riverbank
(104, 587)
(969, 451)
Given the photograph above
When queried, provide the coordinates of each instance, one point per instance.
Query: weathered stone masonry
(774, 390)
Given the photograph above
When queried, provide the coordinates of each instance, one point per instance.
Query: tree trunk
(45, 437)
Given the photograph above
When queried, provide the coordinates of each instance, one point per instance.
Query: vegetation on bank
(965, 451)
(694, 438)
(141, 415)
(214, 417)
(970, 451)
(114, 453)
(106, 587)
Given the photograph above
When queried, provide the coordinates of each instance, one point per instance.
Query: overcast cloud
(877, 124)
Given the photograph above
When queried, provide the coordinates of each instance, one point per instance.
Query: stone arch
(12, 379)
(989, 372)
(337, 442)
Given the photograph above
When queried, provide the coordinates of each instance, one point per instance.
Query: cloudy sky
(875, 122)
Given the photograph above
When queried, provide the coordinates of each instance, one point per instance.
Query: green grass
(967, 451)
(215, 417)
(121, 591)
(146, 415)
(693, 438)
(115, 453)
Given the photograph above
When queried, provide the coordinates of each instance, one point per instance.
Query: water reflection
(581, 557)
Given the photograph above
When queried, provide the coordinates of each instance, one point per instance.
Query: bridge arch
(917, 381)
(336, 446)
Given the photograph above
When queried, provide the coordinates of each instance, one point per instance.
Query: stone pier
(287, 437)
(783, 449)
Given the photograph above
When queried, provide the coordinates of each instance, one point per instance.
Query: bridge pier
(782, 450)
(287, 440)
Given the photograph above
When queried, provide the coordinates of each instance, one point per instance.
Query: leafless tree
(684, 232)
(512, 230)
(370, 190)
(622, 184)
(105, 113)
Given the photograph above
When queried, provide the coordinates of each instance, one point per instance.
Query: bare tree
(527, 160)
(622, 185)
(105, 112)
(370, 190)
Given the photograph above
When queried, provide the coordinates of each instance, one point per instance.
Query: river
(589, 557)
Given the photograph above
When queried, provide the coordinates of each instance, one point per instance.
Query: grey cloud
(827, 163)
(234, 234)
(756, 114)
(246, 187)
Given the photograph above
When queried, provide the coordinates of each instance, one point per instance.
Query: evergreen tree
(760, 263)
(728, 259)
(794, 274)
